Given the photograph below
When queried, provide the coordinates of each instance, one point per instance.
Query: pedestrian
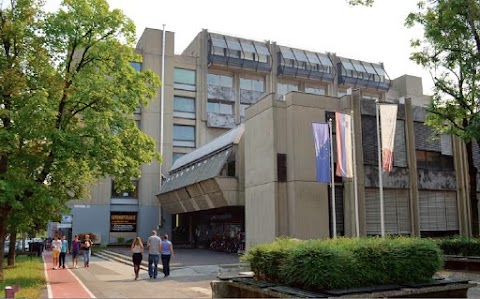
(137, 249)
(63, 252)
(153, 245)
(86, 246)
(167, 252)
(75, 251)
(56, 247)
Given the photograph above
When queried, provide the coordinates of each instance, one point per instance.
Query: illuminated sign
(123, 222)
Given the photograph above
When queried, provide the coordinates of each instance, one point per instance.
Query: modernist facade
(238, 152)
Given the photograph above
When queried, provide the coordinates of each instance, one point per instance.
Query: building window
(341, 93)
(183, 136)
(183, 107)
(136, 65)
(220, 107)
(284, 88)
(316, 90)
(175, 156)
(220, 80)
(125, 193)
(433, 160)
(184, 79)
(252, 84)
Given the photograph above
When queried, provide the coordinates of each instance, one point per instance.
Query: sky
(372, 34)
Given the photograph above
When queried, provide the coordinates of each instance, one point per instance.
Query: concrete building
(238, 148)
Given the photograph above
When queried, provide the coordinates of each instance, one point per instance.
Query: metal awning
(200, 171)
(196, 183)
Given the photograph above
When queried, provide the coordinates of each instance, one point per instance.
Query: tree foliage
(361, 2)
(451, 51)
(68, 94)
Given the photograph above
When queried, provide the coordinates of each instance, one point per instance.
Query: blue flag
(322, 151)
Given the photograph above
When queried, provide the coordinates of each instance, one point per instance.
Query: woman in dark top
(75, 251)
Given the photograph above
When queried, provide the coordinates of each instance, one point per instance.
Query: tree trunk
(13, 246)
(472, 172)
(4, 213)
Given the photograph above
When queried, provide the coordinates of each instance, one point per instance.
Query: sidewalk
(111, 279)
(63, 283)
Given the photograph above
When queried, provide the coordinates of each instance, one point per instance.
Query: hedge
(458, 245)
(346, 263)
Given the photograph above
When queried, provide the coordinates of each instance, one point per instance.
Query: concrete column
(412, 166)
(271, 82)
(201, 76)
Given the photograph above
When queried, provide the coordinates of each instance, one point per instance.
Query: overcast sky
(375, 34)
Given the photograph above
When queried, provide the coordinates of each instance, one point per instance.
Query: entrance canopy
(201, 179)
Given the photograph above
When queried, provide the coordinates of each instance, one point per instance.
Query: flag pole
(332, 182)
(355, 185)
(380, 171)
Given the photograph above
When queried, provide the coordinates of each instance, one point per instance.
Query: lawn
(28, 273)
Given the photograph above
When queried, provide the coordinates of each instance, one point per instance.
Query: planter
(457, 262)
(250, 288)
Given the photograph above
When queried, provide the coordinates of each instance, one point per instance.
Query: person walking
(56, 247)
(153, 245)
(63, 252)
(75, 251)
(137, 249)
(167, 252)
(86, 246)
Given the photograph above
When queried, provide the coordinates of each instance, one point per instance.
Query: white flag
(388, 122)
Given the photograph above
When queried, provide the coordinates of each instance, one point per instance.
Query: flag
(322, 151)
(344, 145)
(388, 122)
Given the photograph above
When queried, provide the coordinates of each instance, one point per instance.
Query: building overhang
(198, 181)
(213, 193)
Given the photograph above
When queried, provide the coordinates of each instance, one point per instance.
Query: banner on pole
(344, 145)
(322, 151)
(388, 124)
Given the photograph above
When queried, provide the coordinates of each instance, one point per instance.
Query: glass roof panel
(358, 66)
(300, 55)
(286, 52)
(233, 44)
(261, 48)
(248, 47)
(324, 59)
(380, 70)
(369, 68)
(217, 42)
(312, 57)
(347, 64)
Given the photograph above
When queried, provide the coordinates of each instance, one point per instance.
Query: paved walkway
(110, 279)
(63, 283)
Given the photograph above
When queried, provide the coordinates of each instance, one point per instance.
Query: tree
(451, 51)
(361, 2)
(67, 98)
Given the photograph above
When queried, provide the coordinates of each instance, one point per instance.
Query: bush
(458, 245)
(120, 240)
(265, 259)
(346, 263)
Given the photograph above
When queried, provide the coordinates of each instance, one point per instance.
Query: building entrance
(221, 229)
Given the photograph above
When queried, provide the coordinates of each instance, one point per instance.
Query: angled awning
(200, 171)
(196, 181)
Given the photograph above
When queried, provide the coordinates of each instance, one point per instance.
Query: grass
(28, 274)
